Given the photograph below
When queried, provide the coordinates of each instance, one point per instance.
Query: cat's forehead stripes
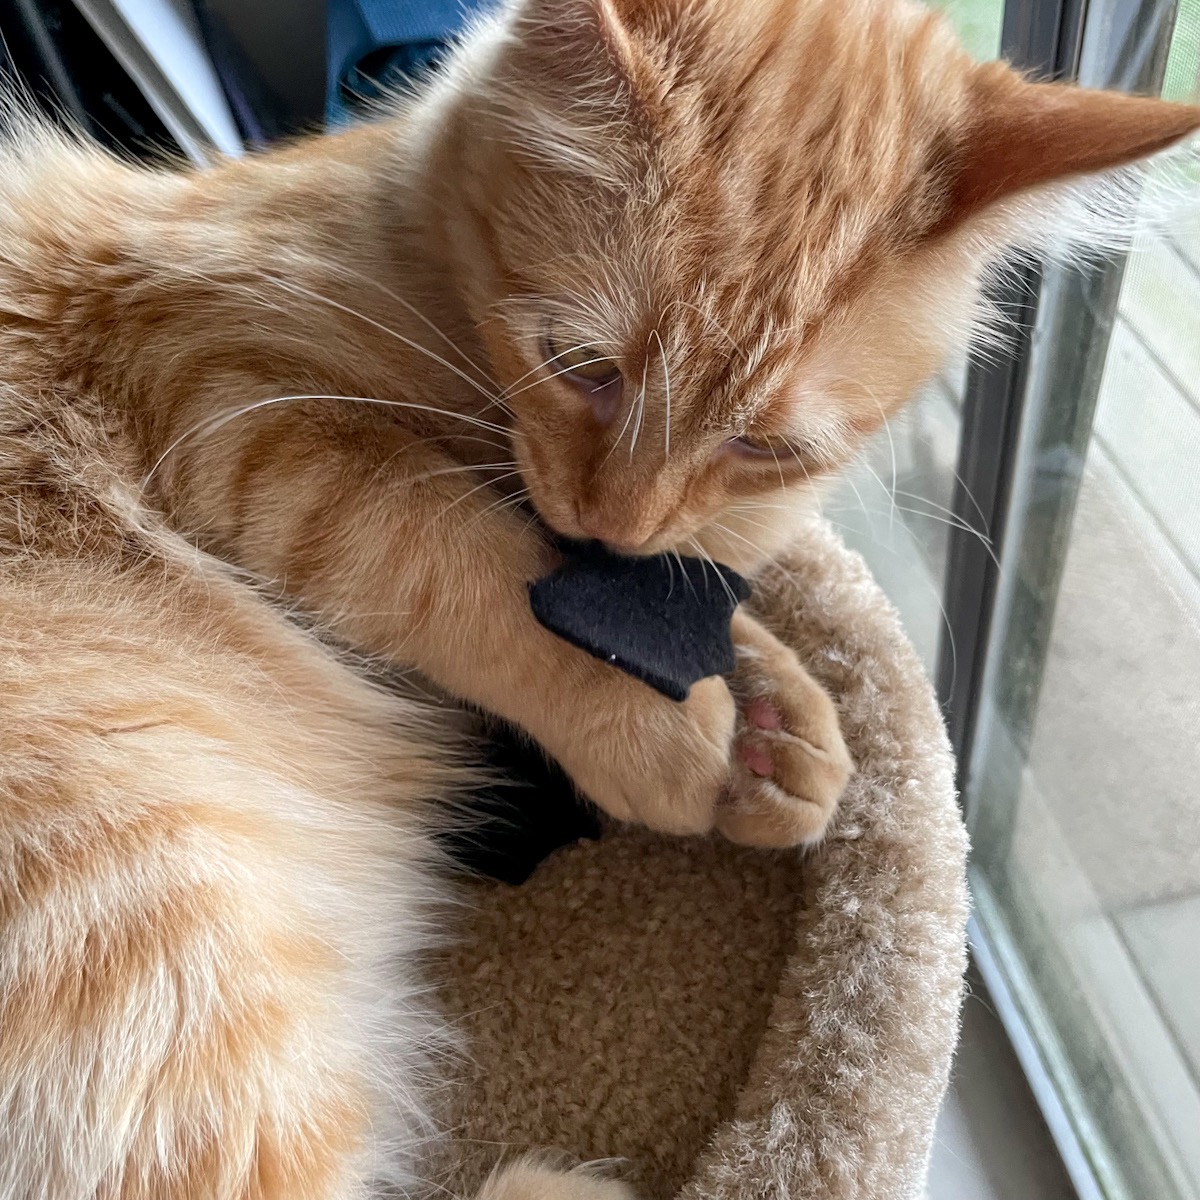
(755, 204)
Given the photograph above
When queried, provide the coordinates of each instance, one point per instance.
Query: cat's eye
(752, 447)
(585, 366)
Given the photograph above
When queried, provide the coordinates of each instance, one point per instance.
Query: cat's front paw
(791, 764)
(644, 758)
(527, 1179)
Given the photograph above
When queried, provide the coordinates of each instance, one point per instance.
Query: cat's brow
(707, 316)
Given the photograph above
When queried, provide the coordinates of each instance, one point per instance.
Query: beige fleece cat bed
(734, 1023)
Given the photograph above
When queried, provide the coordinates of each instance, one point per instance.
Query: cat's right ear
(1017, 135)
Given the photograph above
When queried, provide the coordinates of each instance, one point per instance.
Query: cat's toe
(527, 1179)
(791, 770)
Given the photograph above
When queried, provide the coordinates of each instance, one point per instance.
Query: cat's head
(712, 244)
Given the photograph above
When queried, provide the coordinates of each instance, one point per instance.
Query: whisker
(504, 502)
(299, 289)
(349, 273)
(934, 590)
(416, 312)
(858, 496)
(940, 520)
(620, 436)
(641, 409)
(960, 525)
(734, 533)
(508, 392)
(891, 494)
(555, 374)
(760, 505)
(778, 466)
(215, 422)
(939, 507)
(808, 478)
(455, 437)
(462, 471)
(757, 524)
(971, 497)
(683, 571)
(487, 483)
(707, 558)
(891, 441)
(667, 387)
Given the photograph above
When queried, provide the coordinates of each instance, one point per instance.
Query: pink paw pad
(756, 759)
(764, 714)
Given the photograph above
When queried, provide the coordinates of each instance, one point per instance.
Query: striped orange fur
(317, 380)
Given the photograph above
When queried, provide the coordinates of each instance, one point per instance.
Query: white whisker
(462, 471)
(940, 520)
(504, 502)
(707, 558)
(667, 387)
(416, 312)
(641, 408)
(215, 422)
(740, 537)
(890, 493)
(891, 441)
(683, 570)
(508, 392)
(970, 496)
(298, 289)
(555, 374)
(487, 483)
(778, 466)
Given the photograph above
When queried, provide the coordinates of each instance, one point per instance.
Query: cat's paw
(644, 758)
(526, 1179)
(791, 764)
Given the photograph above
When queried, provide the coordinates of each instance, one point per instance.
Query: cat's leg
(791, 763)
(420, 562)
(210, 876)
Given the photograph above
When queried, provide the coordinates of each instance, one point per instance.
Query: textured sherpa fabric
(738, 1025)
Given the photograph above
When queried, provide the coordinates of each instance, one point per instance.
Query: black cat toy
(664, 620)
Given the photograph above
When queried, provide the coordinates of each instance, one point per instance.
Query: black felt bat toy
(663, 620)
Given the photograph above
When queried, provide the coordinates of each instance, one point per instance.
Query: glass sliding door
(1036, 518)
(1082, 768)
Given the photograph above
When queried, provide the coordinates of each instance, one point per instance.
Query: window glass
(1084, 784)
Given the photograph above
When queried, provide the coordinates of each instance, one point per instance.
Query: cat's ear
(1017, 135)
(573, 42)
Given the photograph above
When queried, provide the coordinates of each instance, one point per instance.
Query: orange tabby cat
(652, 264)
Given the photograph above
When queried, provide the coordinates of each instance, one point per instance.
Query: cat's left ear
(573, 44)
(1017, 135)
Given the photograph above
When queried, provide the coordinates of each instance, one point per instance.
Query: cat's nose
(616, 534)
